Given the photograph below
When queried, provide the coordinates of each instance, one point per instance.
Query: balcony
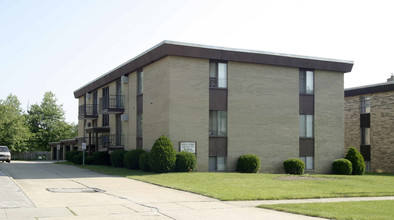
(87, 111)
(112, 104)
(112, 141)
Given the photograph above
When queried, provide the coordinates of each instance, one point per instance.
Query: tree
(47, 123)
(14, 131)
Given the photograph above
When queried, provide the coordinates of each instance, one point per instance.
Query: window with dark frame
(306, 81)
(139, 126)
(218, 123)
(306, 126)
(365, 136)
(140, 85)
(365, 104)
(217, 74)
(105, 120)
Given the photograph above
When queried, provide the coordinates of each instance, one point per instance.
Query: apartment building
(220, 103)
(369, 124)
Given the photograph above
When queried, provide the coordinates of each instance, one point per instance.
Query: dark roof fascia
(169, 48)
(382, 87)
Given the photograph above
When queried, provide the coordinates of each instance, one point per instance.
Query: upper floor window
(218, 123)
(139, 126)
(365, 104)
(217, 75)
(306, 82)
(140, 85)
(306, 126)
(105, 121)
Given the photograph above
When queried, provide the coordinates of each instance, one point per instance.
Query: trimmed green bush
(131, 159)
(117, 158)
(70, 155)
(294, 166)
(101, 158)
(342, 166)
(162, 156)
(185, 162)
(357, 160)
(89, 160)
(78, 157)
(248, 163)
(143, 161)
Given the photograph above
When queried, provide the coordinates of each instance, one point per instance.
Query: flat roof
(368, 89)
(172, 48)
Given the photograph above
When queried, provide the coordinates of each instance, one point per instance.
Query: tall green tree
(47, 123)
(14, 131)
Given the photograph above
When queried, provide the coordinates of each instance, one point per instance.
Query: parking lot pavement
(11, 196)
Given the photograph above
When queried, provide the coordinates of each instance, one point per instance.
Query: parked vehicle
(5, 154)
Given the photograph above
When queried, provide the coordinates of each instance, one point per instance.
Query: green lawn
(237, 186)
(341, 210)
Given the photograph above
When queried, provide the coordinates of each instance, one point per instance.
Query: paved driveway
(67, 192)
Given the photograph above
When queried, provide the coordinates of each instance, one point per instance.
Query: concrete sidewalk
(62, 192)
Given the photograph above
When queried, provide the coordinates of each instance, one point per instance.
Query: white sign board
(188, 146)
(83, 146)
(58, 147)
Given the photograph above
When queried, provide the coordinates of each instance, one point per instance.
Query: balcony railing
(112, 104)
(88, 111)
(81, 140)
(113, 140)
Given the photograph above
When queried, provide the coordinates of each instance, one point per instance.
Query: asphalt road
(43, 190)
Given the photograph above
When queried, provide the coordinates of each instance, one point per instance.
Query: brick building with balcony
(220, 103)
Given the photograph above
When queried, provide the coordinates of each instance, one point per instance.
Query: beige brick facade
(262, 109)
(381, 128)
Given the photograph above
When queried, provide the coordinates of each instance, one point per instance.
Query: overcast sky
(60, 45)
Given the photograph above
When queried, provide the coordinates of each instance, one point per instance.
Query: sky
(60, 45)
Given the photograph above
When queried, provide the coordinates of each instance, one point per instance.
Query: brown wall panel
(307, 103)
(218, 146)
(140, 104)
(306, 147)
(365, 120)
(218, 99)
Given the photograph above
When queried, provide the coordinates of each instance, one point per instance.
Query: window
(306, 82)
(365, 136)
(105, 120)
(218, 123)
(217, 75)
(217, 164)
(309, 164)
(365, 104)
(306, 126)
(140, 85)
(139, 125)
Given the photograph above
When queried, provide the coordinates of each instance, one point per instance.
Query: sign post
(83, 153)
(57, 152)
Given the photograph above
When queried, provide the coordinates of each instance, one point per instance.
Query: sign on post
(57, 151)
(58, 147)
(187, 146)
(83, 146)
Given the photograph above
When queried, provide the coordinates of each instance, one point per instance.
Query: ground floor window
(367, 165)
(309, 164)
(217, 164)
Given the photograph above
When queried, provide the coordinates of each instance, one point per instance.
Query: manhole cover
(74, 190)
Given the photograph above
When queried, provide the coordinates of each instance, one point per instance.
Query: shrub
(294, 166)
(248, 163)
(70, 155)
(77, 159)
(131, 159)
(342, 166)
(162, 155)
(101, 158)
(357, 160)
(117, 158)
(89, 160)
(143, 161)
(185, 162)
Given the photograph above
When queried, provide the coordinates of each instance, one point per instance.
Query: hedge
(143, 161)
(248, 163)
(101, 158)
(117, 158)
(131, 159)
(185, 162)
(294, 166)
